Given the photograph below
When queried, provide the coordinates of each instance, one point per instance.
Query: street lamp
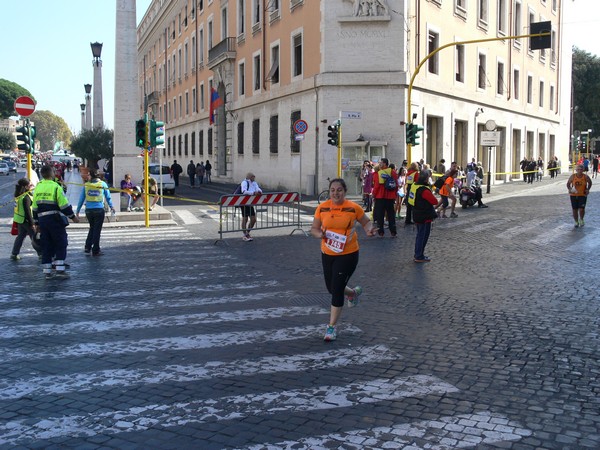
(477, 113)
(97, 63)
(82, 116)
(88, 106)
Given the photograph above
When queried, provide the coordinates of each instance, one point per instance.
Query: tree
(50, 129)
(7, 140)
(93, 145)
(9, 92)
(586, 91)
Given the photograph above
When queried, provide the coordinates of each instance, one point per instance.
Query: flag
(215, 102)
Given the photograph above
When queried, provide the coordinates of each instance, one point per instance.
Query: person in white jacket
(249, 187)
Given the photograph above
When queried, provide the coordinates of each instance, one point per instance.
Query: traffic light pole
(452, 44)
(146, 185)
(339, 147)
(29, 154)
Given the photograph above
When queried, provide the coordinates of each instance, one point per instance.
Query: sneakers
(422, 260)
(87, 251)
(581, 223)
(330, 334)
(247, 237)
(354, 300)
(576, 224)
(15, 257)
(61, 275)
(99, 253)
(453, 215)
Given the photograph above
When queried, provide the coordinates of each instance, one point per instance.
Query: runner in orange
(334, 224)
(579, 186)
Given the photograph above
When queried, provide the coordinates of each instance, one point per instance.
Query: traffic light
(24, 139)
(156, 131)
(410, 133)
(140, 134)
(334, 134)
(416, 130)
(584, 145)
(32, 135)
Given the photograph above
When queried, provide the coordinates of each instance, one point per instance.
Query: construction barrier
(273, 210)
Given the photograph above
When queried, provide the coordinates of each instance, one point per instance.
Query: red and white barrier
(262, 199)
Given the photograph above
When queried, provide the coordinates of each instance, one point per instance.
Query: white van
(168, 183)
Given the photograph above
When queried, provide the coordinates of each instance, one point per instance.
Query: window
(256, 82)
(256, 136)
(175, 109)
(500, 79)
(201, 143)
(240, 138)
(194, 101)
(482, 13)
(460, 8)
(481, 72)
(274, 134)
(185, 147)
(210, 34)
(185, 59)
(242, 79)
(169, 146)
(460, 63)
(256, 8)
(180, 141)
(541, 94)
(433, 42)
(193, 143)
(295, 145)
(502, 17)
(224, 24)
(180, 106)
(551, 103)
(516, 83)
(187, 103)
(179, 66)
(273, 75)
(517, 23)
(210, 141)
(553, 47)
(297, 55)
(194, 51)
(241, 24)
(529, 22)
(201, 96)
(201, 5)
(201, 48)
(529, 89)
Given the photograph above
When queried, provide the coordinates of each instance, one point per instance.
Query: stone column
(82, 116)
(127, 104)
(97, 100)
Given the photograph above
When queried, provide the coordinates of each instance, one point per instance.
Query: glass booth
(353, 155)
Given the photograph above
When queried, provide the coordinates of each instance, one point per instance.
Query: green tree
(7, 140)
(93, 145)
(50, 129)
(586, 91)
(9, 92)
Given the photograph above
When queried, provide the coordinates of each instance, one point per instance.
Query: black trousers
(383, 207)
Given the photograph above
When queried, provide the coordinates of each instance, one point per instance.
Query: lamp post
(88, 106)
(97, 63)
(82, 116)
(477, 113)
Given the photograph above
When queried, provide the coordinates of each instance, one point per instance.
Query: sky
(46, 48)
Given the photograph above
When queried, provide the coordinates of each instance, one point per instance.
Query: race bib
(335, 241)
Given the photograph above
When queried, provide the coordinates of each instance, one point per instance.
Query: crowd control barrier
(273, 210)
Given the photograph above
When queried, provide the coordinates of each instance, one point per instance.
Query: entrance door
(353, 155)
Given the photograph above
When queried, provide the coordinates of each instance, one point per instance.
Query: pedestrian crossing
(211, 349)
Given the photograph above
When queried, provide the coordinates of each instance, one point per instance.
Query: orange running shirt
(579, 183)
(338, 223)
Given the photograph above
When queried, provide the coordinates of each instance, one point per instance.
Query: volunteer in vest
(94, 192)
(423, 204)
(384, 198)
(334, 223)
(51, 211)
(411, 176)
(23, 217)
(579, 185)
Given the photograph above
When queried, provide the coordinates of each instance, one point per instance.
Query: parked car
(23, 162)
(168, 183)
(12, 166)
(4, 170)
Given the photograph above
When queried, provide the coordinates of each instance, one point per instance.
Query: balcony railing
(153, 98)
(224, 50)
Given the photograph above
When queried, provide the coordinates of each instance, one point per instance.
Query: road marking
(549, 236)
(462, 431)
(62, 384)
(140, 418)
(187, 217)
(171, 344)
(485, 226)
(80, 328)
(531, 225)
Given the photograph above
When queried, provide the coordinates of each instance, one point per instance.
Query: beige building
(274, 62)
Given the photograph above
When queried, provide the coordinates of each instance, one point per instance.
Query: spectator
(423, 204)
(411, 176)
(384, 197)
(200, 172)
(249, 187)
(176, 170)
(191, 171)
(127, 190)
(208, 171)
(23, 217)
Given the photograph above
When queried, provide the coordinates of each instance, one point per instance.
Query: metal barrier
(273, 210)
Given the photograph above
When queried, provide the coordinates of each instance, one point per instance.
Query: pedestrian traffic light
(410, 133)
(32, 135)
(156, 131)
(24, 139)
(140, 134)
(334, 134)
(583, 145)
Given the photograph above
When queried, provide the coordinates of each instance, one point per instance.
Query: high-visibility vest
(412, 194)
(93, 191)
(19, 214)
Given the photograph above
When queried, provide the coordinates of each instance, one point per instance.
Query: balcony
(153, 98)
(221, 52)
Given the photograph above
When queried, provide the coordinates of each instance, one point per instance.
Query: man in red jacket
(385, 190)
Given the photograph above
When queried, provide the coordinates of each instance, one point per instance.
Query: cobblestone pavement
(169, 341)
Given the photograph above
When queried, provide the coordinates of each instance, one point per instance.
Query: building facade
(274, 62)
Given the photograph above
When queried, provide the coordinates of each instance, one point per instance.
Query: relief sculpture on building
(370, 8)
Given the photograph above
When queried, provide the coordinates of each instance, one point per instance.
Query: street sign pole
(339, 147)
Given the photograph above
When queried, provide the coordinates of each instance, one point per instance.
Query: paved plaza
(170, 341)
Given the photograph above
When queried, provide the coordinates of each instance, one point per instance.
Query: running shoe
(576, 224)
(423, 260)
(15, 257)
(354, 300)
(581, 223)
(330, 334)
(453, 215)
(62, 275)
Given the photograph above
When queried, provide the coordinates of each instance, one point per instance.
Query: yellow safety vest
(412, 194)
(19, 214)
(93, 191)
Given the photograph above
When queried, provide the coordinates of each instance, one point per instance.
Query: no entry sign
(24, 106)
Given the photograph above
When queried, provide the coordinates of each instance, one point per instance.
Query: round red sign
(24, 106)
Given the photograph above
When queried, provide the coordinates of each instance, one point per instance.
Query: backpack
(238, 189)
(389, 183)
(440, 182)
